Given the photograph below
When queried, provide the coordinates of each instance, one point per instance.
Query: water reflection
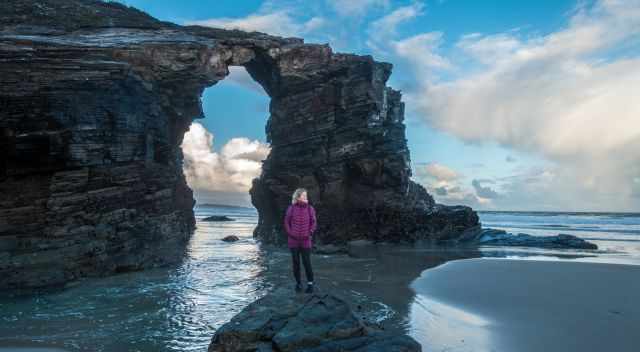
(179, 308)
(441, 327)
(161, 309)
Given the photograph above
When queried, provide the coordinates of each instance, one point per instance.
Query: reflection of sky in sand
(499, 304)
(441, 327)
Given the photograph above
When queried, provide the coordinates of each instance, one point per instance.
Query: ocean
(616, 234)
(179, 308)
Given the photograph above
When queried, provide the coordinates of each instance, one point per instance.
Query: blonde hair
(297, 194)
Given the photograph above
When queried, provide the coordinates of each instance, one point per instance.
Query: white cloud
(421, 51)
(356, 7)
(440, 172)
(382, 30)
(239, 76)
(228, 171)
(280, 23)
(572, 96)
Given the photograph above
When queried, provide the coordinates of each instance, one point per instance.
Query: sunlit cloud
(280, 23)
(356, 7)
(570, 96)
(230, 170)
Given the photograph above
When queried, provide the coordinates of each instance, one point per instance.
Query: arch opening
(223, 152)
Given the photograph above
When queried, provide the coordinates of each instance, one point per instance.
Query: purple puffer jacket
(300, 223)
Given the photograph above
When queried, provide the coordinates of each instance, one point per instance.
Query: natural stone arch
(96, 97)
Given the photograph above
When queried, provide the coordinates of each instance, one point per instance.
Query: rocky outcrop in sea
(95, 98)
(496, 237)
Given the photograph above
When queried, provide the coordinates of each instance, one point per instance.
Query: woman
(300, 224)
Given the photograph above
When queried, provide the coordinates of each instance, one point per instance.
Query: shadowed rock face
(95, 99)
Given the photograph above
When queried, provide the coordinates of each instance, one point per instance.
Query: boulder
(231, 238)
(285, 321)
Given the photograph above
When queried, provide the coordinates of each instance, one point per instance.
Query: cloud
(447, 185)
(239, 76)
(636, 187)
(570, 96)
(421, 51)
(484, 192)
(382, 30)
(280, 23)
(356, 7)
(440, 172)
(441, 191)
(230, 170)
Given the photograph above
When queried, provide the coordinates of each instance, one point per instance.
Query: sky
(510, 105)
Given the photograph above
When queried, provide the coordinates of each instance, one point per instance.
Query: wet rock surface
(95, 98)
(329, 249)
(285, 321)
(231, 238)
(497, 237)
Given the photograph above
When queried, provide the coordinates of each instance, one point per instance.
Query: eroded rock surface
(285, 321)
(95, 98)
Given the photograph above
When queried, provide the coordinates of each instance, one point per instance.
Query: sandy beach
(527, 305)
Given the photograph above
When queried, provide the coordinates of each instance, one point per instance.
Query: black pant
(295, 256)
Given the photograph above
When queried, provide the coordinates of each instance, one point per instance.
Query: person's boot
(309, 288)
(298, 287)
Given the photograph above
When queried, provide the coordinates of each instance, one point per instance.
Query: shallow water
(616, 234)
(165, 309)
(457, 309)
(179, 308)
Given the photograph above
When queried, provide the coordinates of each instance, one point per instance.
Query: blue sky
(511, 105)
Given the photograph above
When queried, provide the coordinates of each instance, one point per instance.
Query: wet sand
(376, 284)
(524, 305)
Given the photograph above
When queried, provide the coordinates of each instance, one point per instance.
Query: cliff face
(95, 99)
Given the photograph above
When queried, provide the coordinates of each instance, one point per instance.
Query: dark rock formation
(284, 321)
(95, 98)
(231, 238)
(218, 218)
(497, 237)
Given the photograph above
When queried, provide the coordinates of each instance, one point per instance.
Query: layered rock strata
(95, 98)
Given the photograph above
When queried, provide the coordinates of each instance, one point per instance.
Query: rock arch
(95, 99)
